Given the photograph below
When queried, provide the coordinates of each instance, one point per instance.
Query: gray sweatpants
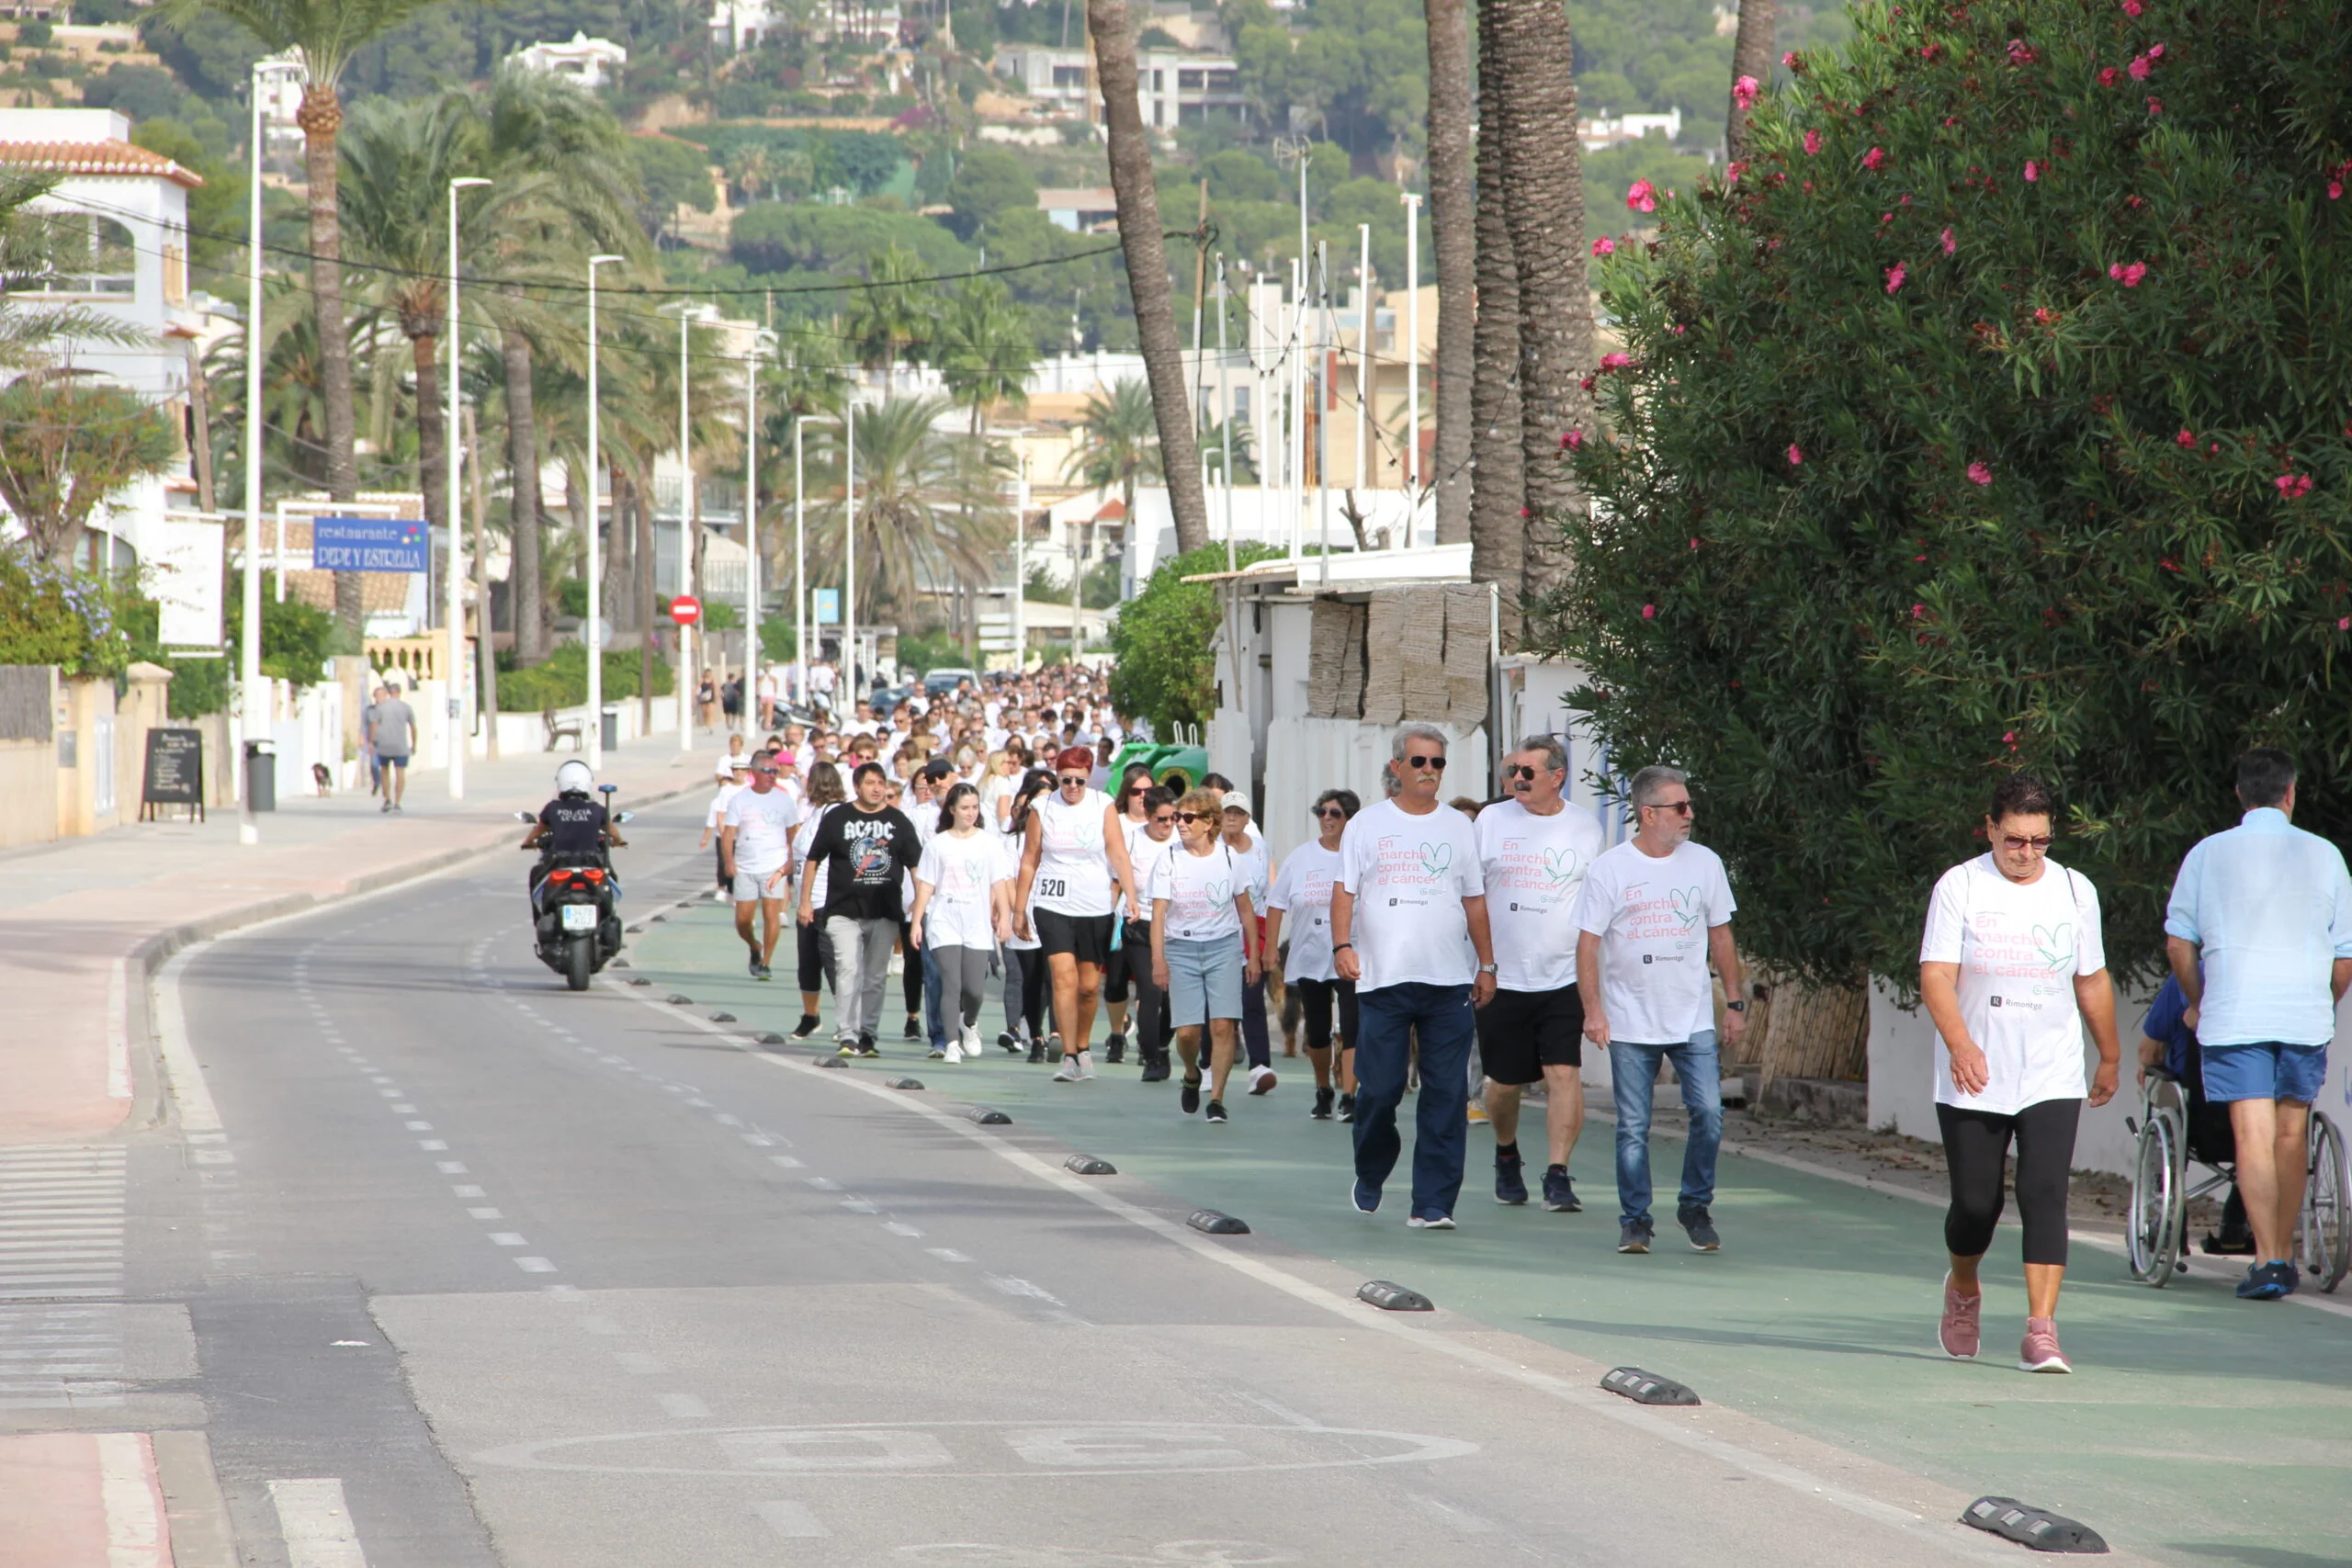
(861, 971)
(963, 975)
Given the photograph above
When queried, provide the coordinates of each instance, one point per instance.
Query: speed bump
(769, 1037)
(1087, 1165)
(1648, 1388)
(987, 1116)
(1390, 1297)
(906, 1083)
(678, 1001)
(722, 1017)
(2031, 1527)
(1217, 1223)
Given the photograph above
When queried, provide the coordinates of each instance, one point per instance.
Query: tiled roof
(109, 157)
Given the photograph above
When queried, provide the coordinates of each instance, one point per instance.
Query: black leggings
(1976, 1148)
(910, 975)
(816, 966)
(1315, 999)
(1030, 962)
(1132, 964)
(718, 869)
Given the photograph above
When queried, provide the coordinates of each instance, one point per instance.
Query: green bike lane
(2196, 1428)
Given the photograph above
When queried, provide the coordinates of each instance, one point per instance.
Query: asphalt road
(543, 1279)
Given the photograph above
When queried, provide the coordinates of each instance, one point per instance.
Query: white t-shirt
(1255, 866)
(960, 872)
(1200, 891)
(1008, 846)
(1074, 869)
(2018, 947)
(1304, 889)
(1535, 869)
(800, 843)
(1652, 915)
(1409, 875)
(728, 790)
(762, 825)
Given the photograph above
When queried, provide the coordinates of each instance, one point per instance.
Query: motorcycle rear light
(559, 877)
(594, 873)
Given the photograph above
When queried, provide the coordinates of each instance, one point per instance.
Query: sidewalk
(83, 922)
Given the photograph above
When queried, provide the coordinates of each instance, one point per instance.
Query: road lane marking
(118, 1032)
(684, 1406)
(316, 1524)
(639, 1363)
(506, 1238)
(791, 1520)
(535, 1266)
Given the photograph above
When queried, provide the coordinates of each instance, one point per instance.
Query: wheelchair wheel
(2327, 1227)
(2158, 1204)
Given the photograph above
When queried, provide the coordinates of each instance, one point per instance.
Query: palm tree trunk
(1751, 55)
(645, 594)
(1453, 204)
(485, 623)
(1543, 186)
(1497, 492)
(432, 435)
(533, 634)
(1147, 259)
(321, 117)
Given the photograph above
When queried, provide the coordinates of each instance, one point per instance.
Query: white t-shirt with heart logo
(2019, 947)
(1652, 914)
(1199, 891)
(1409, 875)
(1535, 869)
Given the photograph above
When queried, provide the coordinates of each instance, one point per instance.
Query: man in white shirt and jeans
(1655, 909)
(1407, 908)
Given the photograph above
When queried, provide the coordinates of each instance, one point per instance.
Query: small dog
(321, 780)
(1281, 1002)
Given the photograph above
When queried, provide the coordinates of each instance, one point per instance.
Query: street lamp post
(591, 635)
(849, 551)
(459, 689)
(800, 542)
(252, 710)
(686, 677)
(762, 341)
(1412, 361)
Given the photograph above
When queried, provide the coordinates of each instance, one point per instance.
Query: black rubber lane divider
(1648, 1388)
(678, 1001)
(722, 1017)
(831, 1061)
(1087, 1165)
(622, 964)
(769, 1037)
(1216, 1223)
(906, 1083)
(1390, 1297)
(640, 980)
(2031, 1527)
(657, 920)
(987, 1116)
(633, 929)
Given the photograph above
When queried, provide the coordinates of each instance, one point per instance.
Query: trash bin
(261, 774)
(610, 728)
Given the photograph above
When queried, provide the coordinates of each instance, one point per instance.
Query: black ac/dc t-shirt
(574, 827)
(865, 854)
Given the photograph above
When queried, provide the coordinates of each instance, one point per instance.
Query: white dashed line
(685, 1407)
(433, 1145)
(784, 1162)
(506, 1238)
(535, 1266)
(947, 1255)
(791, 1520)
(485, 1215)
(897, 1228)
(639, 1363)
(824, 1183)
(451, 1168)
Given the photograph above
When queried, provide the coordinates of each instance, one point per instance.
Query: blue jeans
(1633, 1076)
(1442, 1017)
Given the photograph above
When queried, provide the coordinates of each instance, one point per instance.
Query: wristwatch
(1486, 969)
(1734, 1007)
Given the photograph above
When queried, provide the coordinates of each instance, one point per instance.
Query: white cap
(1235, 801)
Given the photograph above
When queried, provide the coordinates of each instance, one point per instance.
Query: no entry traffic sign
(685, 610)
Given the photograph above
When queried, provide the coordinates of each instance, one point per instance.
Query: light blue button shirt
(2270, 907)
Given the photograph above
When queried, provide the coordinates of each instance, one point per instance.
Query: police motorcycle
(575, 897)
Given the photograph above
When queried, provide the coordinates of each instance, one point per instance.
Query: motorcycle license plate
(580, 916)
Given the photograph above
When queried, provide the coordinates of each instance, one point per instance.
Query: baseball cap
(1235, 800)
(938, 768)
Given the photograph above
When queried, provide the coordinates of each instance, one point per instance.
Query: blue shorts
(1203, 979)
(2266, 1071)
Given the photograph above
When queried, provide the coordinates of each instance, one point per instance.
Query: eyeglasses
(1194, 817)
(1522, 771)
(1680, 807)
(1328, 812)
(1434, 764)
(1073, 778)
(2040, 844)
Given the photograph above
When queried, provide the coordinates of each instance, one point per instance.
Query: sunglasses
(1139, 789)
(1680, 807)
(1164, 821)
(1434, 764)
(2040, 844)
(1522, 771)
(1327, 812)
(1073, 778)
(1196, 817)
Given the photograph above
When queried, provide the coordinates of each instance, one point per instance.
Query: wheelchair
(2177, 1128)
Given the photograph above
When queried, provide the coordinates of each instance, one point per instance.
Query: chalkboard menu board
(175, 772)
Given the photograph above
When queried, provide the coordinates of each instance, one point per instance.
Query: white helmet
(574, 778)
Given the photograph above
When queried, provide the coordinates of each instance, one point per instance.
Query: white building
(738, 25)
(1611, 131)
(122, 253)
(281, 100)
(1173, 86)
(590, 61)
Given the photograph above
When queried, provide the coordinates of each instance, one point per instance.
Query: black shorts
(1522, 1033)
(1118, 970)
(1086, 938)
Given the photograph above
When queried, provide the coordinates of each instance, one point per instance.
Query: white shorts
(752, 885)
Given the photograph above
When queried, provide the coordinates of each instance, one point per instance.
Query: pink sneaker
(1961, 1330)
(2039, 1353)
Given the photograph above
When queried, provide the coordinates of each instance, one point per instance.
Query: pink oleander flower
(1649, 612)
(2021, 52)
(1875, 158)
(2335, 190)
(2032, 171)
(2345, 624)
(2133, 8)
(2155, 51)
(1950, 243)
(1811, 143)
(2009, 738)
(1573, 441)
(2109, 76)
(2128, 275)
(1642, 196)
(2140, 67)
(1605, 246)
(1615, 361)
(1790, 60)
(1919, 612)
(1978, 473)
(1743, 91)
(2155, 105)
(1894, 275)
(2186, 438)
(1797, 454)
(2293, 486)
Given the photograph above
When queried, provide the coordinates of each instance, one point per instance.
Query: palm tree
(326, 34)
(890, 317)
(1751, 57)
(1121, 447)
(752, 170)
(1452, 221)
(930, 509)
(1498, 495)
(986, 350)
(1115, 29)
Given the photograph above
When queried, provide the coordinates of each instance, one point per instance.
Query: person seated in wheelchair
(2168, 1045)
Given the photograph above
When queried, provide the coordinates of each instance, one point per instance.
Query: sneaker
(1054, 1044)
(1261, 1080)
(1036, 1053)
(848, 1048)
(1701, 1228)
(1363, 1197)
(1634, 1236)
(1155, 1071)
(1347, 1108)
(914, 1026)
(1086, 1065)
(1114, 1049)
(968, 1037)
(756, 966)
(1068, 1071)
(2266, 1282)
(1008, 1043)
(866, 1046)
(2040, 1352)
(386, 807)
(809, 1023)
(936, 1054)
(1962, 1328)
(1510, 1186)
(955, 1051)
(1428, 1222)
(765, 973)
(1322, 1112)
(1189, 1096)
(1215, 1111)
(1559, 1193)
(1477, 1111)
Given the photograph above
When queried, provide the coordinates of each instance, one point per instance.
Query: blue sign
(367, 544)
(828, 605)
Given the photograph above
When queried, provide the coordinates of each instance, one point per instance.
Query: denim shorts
(2264, 1071)
(1203, 979)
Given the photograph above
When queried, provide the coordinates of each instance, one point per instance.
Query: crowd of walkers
(1465, 951)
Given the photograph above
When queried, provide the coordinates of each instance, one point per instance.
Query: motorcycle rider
(572, 823)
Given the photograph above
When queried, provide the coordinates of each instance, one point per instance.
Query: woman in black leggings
(2012, 968)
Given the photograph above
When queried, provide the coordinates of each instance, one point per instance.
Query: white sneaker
(1069, 1071)
(955, 1051)
(1086, 1065)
